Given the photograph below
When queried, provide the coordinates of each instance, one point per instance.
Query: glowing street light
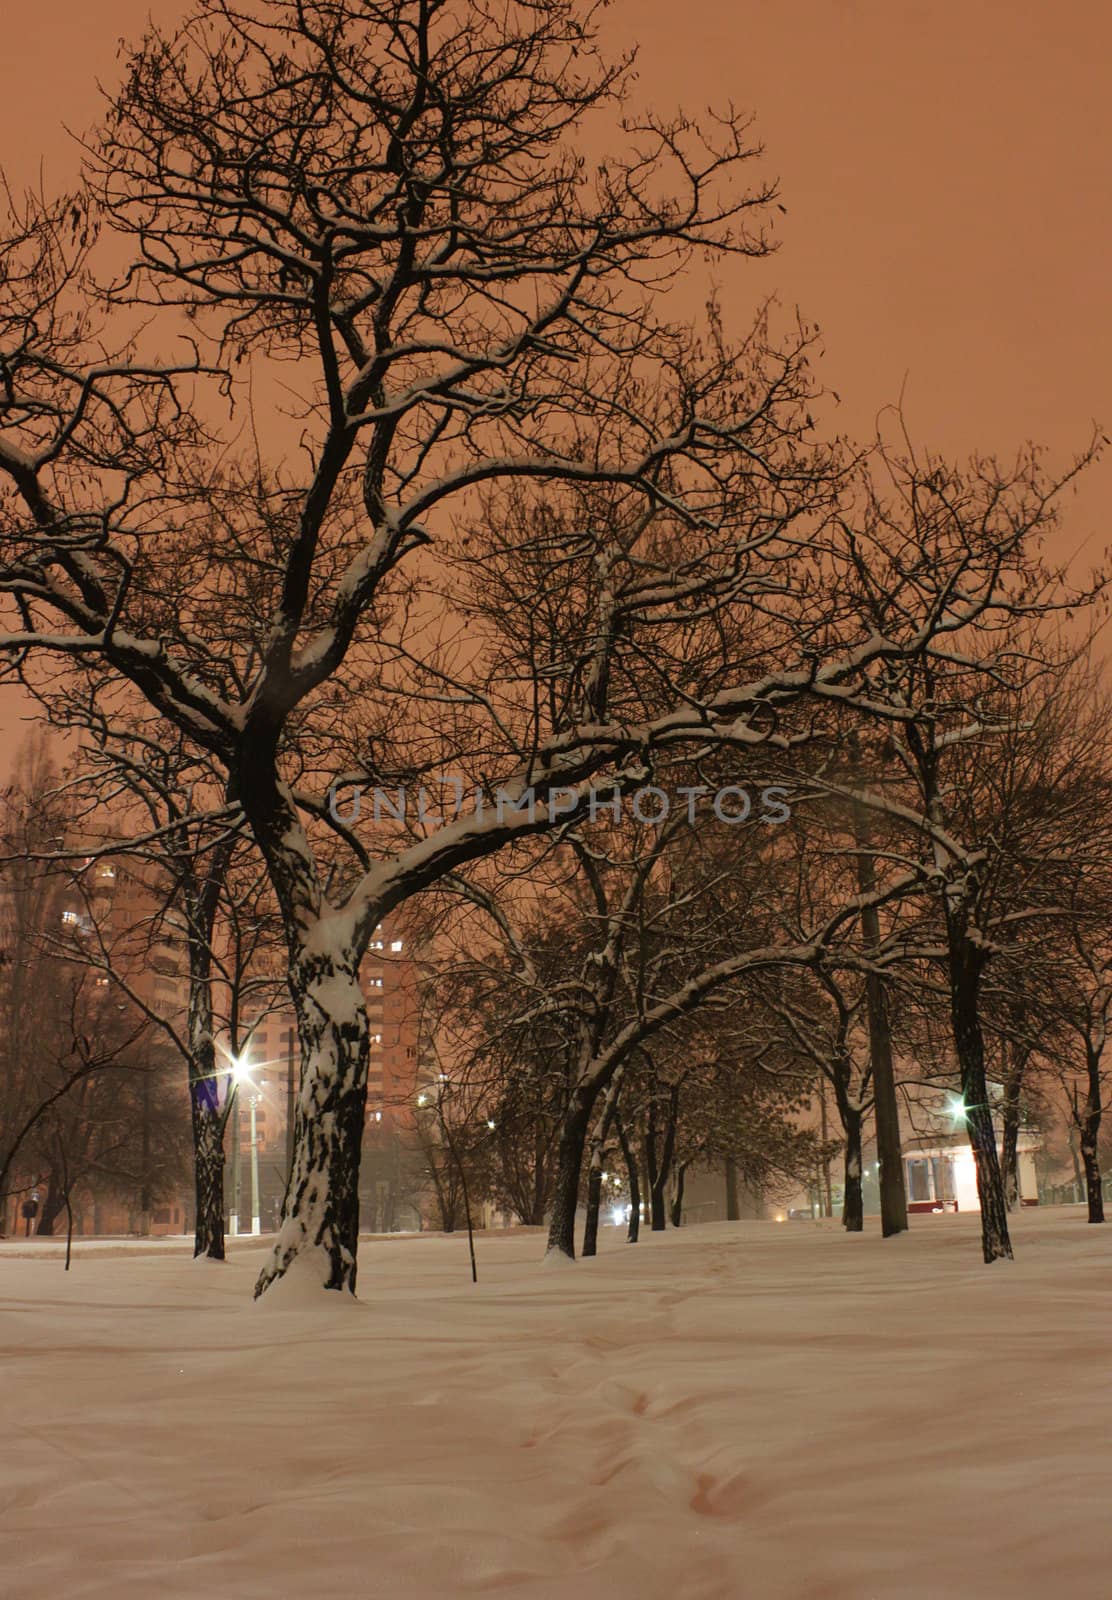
(240, 1072)
(235, 1072)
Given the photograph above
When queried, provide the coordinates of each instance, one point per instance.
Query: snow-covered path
(734, 1412)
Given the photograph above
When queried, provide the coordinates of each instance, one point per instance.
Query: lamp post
(255, 1224)
(240, 1073)
(233, 1221)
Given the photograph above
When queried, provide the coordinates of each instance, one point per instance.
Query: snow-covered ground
(734, 1412)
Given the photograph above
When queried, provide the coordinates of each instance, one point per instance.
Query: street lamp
(256, 1224)
(241, 1074)
(236, 1072)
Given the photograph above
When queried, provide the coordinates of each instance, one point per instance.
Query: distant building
(120, 907)
(112, 910)
(389, 981)
(940, 1173)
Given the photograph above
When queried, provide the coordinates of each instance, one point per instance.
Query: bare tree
(387, 196)
(1005, 815)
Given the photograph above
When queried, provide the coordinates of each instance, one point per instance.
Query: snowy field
(736, 1412)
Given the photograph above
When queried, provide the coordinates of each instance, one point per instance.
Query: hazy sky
(945, 169)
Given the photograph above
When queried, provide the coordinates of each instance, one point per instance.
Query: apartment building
(270, 1056)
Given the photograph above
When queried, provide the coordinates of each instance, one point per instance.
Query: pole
(234, 1219)
(255, 1224)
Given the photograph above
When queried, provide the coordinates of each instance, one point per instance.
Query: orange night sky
(945, 170)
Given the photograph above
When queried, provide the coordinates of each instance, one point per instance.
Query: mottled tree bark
(320, 1213)
(208, 1179)
(201, 899)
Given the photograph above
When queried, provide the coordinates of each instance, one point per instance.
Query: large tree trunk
(1093, 1190)
(965, 972)
(1090, 1133)
(648, 1155)
(208, 1128)
(320, 1213)
(594, 1205)
(569, 1164)
(53, 1205)
(598, 1156)
(201, 900)
(208, 1178)
(629, 1155)
(658, 1206)
(659, 1163)
(1009, 1143)
(853, 1203)
(208, 1118)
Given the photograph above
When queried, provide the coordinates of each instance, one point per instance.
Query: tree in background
(388, 199)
